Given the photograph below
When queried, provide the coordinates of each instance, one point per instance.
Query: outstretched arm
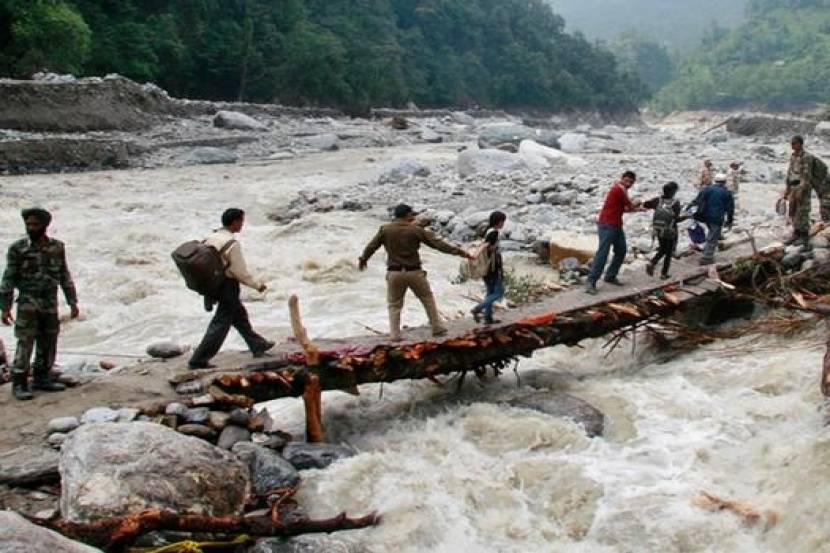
(433, 241)
(370, 249)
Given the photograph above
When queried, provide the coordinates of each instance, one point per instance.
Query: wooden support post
(312, 391)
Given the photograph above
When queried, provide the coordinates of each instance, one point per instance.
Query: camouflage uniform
(733, 182)
(36, 271)
(801, 170)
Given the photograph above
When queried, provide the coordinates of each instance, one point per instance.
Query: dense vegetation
(349, 53)
(779, 57)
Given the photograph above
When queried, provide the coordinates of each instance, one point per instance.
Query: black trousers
(665, 250)
(229, 313)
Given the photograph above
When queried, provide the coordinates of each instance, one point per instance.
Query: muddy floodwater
(450, 471)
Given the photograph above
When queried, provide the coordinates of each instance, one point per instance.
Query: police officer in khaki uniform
(402, 238)
(36, 266)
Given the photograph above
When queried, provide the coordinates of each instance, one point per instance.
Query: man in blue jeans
(714, 204)
(611, 234)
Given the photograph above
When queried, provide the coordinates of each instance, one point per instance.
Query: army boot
(44, 382)
(20, 387)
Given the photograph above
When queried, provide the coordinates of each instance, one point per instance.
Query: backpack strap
(224, 249)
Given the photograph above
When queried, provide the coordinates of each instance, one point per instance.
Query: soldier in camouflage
(806, 173)
(36, 266)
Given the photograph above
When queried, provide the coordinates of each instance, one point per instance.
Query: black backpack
(663, 221)
(202, 266)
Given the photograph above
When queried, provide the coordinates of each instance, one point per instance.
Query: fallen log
(117, 533)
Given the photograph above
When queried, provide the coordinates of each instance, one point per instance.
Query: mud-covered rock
(315, 455)
(566, 406)
(269, 471)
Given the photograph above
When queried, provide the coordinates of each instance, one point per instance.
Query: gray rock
(269, 471)
(177, 409)
(275, 442)
(305, 544)
(429, 135)
(821, 255)
(63, 424)
(823, 129)
(573, 143)
(792, 260)
(231, 435)
(534, 198)
(197, 415)
(18, 535)
(402, 170)
(472, 162)
(315, 456)
(569, 264)
(26, 465)
(99, 414)
(491, 136)
(165, 350)
(236, 120)
(218, 420)
(56, 440)
(750, 124)
(324, 142)
(209, 155)
(566, 197)
(476, 219)
(462, 118)
(239, 417)
(201, 431)
(809, 264)
(116, 469)
(564, 405)
(127, 414)
(820, 242)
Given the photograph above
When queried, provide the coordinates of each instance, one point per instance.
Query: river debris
(749, 514)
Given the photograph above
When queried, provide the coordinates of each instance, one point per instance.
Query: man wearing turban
(36, 267)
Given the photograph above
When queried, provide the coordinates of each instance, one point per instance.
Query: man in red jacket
(611, 234)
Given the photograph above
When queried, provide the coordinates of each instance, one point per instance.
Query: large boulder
(18, 535)
(114, 469)
(563, 405)
(401, 170)
(823, 129)
(236, 120)
(471, 162)
(28, 465)
(540, 156)
(491, 136)
(269, 471)
(573, 143)
(324, 142)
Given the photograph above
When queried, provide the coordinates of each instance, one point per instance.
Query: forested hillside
(778, 58)
(348, 53)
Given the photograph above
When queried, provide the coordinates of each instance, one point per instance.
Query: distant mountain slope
(679, 24)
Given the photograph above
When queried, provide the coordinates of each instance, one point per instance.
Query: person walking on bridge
(402, 239)
(715, 205)
(36, 266)
(230, 312)
(611, 234)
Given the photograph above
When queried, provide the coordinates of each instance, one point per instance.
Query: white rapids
(456, 472)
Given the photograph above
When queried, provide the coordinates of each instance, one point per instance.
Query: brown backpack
(202, 266)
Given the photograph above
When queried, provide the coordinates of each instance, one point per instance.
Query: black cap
(43, 216)
(402, 210)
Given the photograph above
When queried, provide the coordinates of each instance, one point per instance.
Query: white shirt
(237, 269)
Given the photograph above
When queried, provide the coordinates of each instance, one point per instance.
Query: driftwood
(743, 509)
(115, 534)
(312, 392)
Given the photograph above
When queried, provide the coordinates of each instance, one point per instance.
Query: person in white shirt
(230, 312)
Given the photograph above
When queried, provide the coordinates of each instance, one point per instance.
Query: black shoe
(196, 366)
(615, 281)
(47, 385)
(650, 269)
(665, 276)
(491, 321)
(262, 352)
(20, 388)
(476, 316)
(591, 290)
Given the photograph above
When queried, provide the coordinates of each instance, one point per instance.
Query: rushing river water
(457, 472)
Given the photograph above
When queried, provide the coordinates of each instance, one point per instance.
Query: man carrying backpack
(664, 227)
(715, 205)
(230, 312)
(805, 174)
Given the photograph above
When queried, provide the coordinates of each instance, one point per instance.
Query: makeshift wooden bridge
(304, 368)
